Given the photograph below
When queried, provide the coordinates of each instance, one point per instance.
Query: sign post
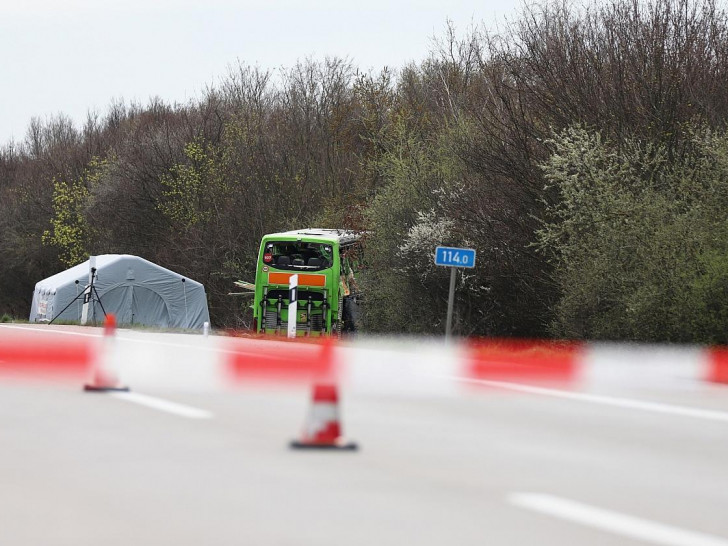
(450, 304)
(453, 258)
(292, 305)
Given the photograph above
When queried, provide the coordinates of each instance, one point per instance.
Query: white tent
(132, 288)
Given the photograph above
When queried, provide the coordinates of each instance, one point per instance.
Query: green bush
(639, 243)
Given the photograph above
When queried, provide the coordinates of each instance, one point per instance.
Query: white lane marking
(163, 405)
(218, 350)
(628, 403)
(30, 329)
(613, 522)
(119, 337)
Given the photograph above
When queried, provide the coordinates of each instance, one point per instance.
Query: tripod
(90, 295)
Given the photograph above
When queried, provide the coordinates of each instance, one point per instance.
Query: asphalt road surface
(199, 464)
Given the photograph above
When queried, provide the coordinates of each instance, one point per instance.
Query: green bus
(327, 262)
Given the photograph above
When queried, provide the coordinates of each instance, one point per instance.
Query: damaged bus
(327, 262)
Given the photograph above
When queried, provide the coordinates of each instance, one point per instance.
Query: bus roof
(344, 237)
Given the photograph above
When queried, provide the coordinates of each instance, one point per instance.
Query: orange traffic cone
(104, 373)
(322, 429)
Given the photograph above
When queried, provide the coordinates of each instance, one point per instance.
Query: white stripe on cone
(321, 416)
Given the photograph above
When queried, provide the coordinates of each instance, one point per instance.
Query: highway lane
(434, 468)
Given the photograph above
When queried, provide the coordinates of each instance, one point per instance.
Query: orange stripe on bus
(304, 279)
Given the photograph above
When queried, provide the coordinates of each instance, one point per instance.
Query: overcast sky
(70, 56)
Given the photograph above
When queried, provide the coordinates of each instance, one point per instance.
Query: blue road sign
(455, 257)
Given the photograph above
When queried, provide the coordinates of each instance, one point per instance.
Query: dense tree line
(581, 150)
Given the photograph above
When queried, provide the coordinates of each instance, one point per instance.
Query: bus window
(298, 255)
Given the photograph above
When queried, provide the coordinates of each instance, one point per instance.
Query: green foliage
(639, 244)
(191, 190)
(70, 230)
(406, 224)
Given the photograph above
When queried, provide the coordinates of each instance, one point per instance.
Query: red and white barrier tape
(184, 361)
